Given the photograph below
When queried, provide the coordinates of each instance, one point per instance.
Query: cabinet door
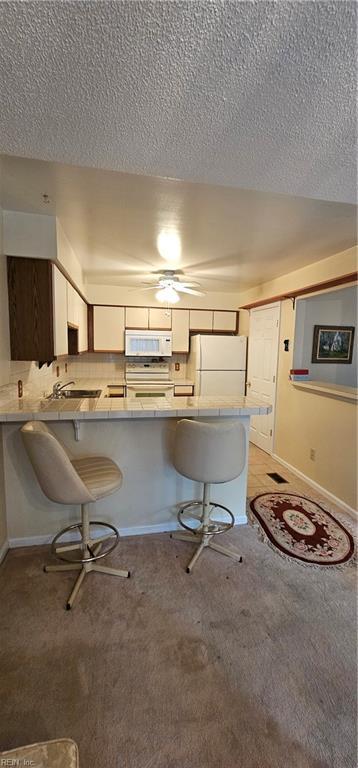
(137, 317)
(59, 292)
(108, 329)
(180, 330)
(30, 309)
(183, 390)
(82, 331)
(72, 306)
(201, 320)
(224, 321)
(160, 318)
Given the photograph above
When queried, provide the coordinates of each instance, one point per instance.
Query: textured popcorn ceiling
(249, 94)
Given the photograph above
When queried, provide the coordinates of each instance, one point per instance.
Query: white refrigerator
(217, 364)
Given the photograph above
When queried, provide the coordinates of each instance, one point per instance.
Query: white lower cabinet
(108, 329)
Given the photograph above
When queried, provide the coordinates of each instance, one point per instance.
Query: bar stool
(74, 481)
(208, 453)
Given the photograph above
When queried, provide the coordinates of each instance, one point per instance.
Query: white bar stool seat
(74, 481)
(208, 453)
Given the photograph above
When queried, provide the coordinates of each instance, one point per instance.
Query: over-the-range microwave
(148, 343)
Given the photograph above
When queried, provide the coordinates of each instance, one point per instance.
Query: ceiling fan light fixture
(169, 245)
(167, 294)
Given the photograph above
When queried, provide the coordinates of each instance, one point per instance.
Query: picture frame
(333, 344)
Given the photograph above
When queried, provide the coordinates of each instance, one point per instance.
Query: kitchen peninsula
(138, 435)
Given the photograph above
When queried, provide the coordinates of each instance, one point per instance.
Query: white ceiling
(230, 239)
(257, 95)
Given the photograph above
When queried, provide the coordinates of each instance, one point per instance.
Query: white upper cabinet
(180, 330)
(59, 284)
(83, 325)
(160, 318)
(77, 316)
(108, 329)
(201, 320)
(224, 321)
(137, 317)
(72, 306)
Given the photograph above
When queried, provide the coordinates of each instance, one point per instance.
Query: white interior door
(262, 370)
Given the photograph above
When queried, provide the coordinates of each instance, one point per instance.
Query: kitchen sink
(77, 393)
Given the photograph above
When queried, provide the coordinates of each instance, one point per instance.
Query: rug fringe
(252, 519)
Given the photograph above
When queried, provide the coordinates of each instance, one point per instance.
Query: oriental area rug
(301, 529)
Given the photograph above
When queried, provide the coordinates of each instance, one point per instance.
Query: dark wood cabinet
(30, 309)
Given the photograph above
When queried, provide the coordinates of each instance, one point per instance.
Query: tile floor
(260, 463)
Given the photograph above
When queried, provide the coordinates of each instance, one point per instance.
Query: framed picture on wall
(332, 344)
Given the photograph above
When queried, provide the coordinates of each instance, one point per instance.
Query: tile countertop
(40, 408)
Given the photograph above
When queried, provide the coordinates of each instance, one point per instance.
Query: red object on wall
(300, 371)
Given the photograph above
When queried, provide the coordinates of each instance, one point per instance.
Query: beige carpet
(234, 666)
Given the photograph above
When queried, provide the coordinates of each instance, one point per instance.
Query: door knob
(249, 383)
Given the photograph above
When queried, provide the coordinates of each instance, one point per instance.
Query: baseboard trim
(4, 548)
(351, 511)
(136, 530)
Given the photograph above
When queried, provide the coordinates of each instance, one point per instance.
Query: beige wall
(120, 294)
(31, 235)
(304, 419)
(67, 257)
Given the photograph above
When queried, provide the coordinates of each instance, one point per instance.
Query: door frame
(259, 309)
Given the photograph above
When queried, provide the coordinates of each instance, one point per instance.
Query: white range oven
(148, 379)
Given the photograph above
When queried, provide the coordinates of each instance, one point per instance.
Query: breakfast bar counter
(138, 435)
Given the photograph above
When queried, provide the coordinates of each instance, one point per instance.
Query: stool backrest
(53, 468)
(210, 452)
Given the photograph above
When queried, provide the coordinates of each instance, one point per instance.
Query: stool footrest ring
(215, 526)
(90, 546)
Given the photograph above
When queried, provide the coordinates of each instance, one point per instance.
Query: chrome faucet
(57, 387)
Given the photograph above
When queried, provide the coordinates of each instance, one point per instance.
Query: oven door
(149, 389)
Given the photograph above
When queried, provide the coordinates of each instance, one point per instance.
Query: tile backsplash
(38, 381)
(98, 365)
(103, 365)
(35, 380)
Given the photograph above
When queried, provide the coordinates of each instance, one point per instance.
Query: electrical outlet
(65, 367)
(313, 454)
(57, 370)
(177, 366)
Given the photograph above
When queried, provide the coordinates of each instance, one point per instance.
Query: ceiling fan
(169, 286)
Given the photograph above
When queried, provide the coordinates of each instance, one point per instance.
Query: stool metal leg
(196, 556)
(204, 535)
(69, 567)
(225, 551)
(183, 536)
(91, 552)
(110, 571)
(75, 589)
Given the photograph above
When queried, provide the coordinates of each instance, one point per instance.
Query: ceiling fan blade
(140, 288)
(183, 289)
(178, 283)
(150, 287)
